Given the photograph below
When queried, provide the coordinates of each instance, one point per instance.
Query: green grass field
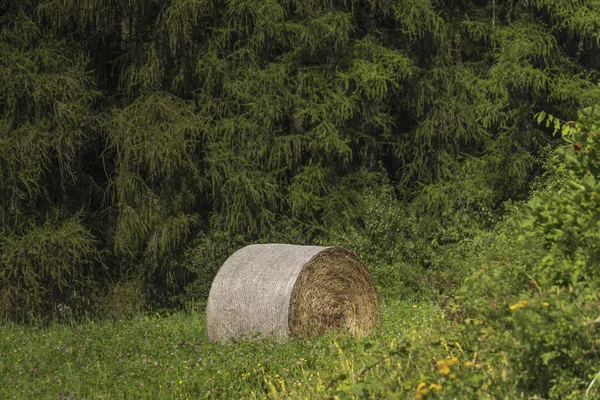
(171, 357)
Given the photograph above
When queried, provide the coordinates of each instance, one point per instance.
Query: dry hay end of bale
(287, 290)
(334, 291)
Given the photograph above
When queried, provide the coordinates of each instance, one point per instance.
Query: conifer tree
(145, 127)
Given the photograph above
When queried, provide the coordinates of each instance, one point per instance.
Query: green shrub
(126, 299)
(531, 309)
(47, 270)
(386, 237)
(569, 219)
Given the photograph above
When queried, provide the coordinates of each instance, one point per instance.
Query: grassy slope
(171, 357)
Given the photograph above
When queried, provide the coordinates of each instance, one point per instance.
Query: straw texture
(286, 290)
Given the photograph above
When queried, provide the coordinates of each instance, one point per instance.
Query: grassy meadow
(171, 357)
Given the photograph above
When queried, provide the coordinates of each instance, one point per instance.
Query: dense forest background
(143, 141)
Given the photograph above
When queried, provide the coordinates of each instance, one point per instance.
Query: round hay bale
(286, 290)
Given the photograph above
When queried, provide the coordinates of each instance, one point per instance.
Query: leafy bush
(47, 270)
(386, 237)
(532, 320)
(126, 299)
(569, 219)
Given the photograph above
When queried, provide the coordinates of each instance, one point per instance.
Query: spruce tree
(146, 127)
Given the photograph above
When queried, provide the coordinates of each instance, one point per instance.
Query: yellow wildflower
(444, 365)
(435, 386)
(545, 304)
(469, 364)
(519, 304)
(421, 390)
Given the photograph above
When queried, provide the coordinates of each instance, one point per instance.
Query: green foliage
(537, 308)
(37, 277)
(47, 251)
(487, 264)
(177, 124)
(385, 235)
(568, 219)
(124, 300)
(153, 141)
(46, 103)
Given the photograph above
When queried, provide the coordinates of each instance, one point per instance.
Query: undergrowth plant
(532, 318)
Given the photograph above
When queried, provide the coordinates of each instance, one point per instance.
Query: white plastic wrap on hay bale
(260, 286)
